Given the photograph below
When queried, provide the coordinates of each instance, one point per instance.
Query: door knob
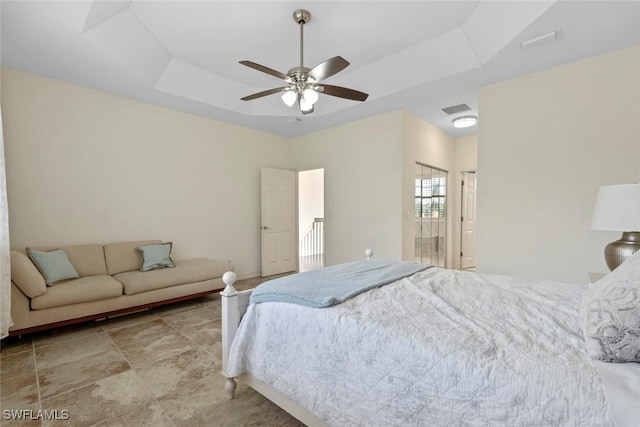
(264, 227)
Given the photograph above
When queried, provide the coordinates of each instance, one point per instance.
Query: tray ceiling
(421, 56)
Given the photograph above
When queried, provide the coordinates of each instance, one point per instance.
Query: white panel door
(278, 215)
(468, 231)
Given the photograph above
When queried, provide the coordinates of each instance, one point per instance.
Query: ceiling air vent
(456, 109)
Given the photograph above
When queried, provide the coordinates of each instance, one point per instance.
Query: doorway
(311, 238)
(430, 203)
(468, 221)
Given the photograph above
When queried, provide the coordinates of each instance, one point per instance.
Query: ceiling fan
(303, 84)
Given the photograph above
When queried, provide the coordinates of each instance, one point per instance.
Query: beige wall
(424, 143)
(369, 182)
(362, 164)
(87, 166)
(547, 141)
(467, 154)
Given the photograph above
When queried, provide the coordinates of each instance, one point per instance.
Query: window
(430, 196)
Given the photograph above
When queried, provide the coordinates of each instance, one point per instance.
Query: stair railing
(312, 242)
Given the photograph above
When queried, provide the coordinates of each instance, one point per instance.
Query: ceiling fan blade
(328, 68)
(263, 93)
(267, 70)
(342, 92)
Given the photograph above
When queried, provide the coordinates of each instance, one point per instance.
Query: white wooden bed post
(232, 311)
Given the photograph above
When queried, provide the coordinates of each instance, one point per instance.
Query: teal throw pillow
(156, 256)
(53, 265)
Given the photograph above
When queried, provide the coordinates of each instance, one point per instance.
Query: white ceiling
(418, 55)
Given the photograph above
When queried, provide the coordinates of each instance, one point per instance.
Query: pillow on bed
(610, 314)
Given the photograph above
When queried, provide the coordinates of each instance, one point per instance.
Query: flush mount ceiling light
(303, 83)
(464, 121)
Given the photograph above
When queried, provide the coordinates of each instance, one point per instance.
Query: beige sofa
(110, 282)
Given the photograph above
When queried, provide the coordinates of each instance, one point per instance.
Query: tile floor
(156, 368)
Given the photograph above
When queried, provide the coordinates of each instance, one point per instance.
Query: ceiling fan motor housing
(300, 77)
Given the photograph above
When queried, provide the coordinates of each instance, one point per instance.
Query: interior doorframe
(324, 231)
(458, 229)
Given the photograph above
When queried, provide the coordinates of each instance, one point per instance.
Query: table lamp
(618, 209)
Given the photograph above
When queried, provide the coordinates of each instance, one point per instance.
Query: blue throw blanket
(333, 285)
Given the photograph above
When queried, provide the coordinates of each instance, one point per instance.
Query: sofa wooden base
(107, 314)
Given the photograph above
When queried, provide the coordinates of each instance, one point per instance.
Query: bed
(438, 347)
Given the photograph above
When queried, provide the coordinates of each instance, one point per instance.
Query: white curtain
(5, 254)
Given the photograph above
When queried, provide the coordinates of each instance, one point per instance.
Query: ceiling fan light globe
(289, 98)
(310, 95)
(305, 105)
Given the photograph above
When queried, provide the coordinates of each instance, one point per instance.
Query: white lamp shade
(289, 98)
(617, 208)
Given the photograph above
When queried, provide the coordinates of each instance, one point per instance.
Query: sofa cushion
(85, 289)
(54, 265)
(88, 260)
(26, 276)
(187, 271)
(155, 257)
(123, 256)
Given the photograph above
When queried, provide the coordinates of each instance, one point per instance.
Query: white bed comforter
(438, 348)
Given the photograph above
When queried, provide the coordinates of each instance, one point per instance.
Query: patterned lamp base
(617, 252)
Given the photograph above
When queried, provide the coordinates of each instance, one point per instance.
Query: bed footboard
(234, 305)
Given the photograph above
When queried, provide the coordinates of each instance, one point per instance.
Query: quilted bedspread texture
(438, 348)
